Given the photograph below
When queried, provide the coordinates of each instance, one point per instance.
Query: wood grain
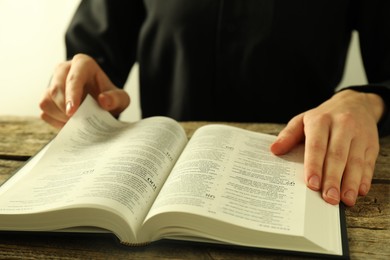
(368, 221)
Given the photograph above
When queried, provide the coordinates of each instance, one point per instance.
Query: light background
(32, 44)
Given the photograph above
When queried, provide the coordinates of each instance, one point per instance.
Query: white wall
(354, 71)
(32, 44)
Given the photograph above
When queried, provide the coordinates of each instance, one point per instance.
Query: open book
(144, 181)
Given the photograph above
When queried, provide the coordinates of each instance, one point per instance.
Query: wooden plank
(7, 167)
(382, 167)
(368, 222)
(21, 137)
(369, 243)
(54, 246)
(371, 211)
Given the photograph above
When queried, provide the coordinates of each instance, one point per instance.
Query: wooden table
(368, 222)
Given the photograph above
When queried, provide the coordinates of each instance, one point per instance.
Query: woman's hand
(71, 82)
(341, 144)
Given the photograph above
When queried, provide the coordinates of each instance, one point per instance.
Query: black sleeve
(108, 31)
(373, 24)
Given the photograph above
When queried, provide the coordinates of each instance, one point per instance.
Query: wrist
(379, 97)
(376, 104)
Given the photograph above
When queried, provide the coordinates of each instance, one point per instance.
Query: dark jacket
(234, 60)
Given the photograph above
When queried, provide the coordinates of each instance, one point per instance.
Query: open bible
(145, 181)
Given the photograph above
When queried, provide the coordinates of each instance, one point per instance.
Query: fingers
(52, 110)
(114, 101)
(337, 153)
(353, 173)
(316, 144)
(52, 121)
(71, 82)
(85, 76)
(52, 103)
(81, 72)
(57, 85)
(340, 153)
(359, 171)
(289, 137)
(330, 160)
(339, 159)
(371, 154)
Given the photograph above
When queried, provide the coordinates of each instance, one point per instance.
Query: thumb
(289, 137)
(114, 101)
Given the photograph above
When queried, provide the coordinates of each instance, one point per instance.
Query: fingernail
(314, 182)
(107, 101)
(350, 195)
(333, 193)
(363, 189)
(69, 106)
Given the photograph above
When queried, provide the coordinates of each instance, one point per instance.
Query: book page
(228, 187)
(229, 174)
(97, 161)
